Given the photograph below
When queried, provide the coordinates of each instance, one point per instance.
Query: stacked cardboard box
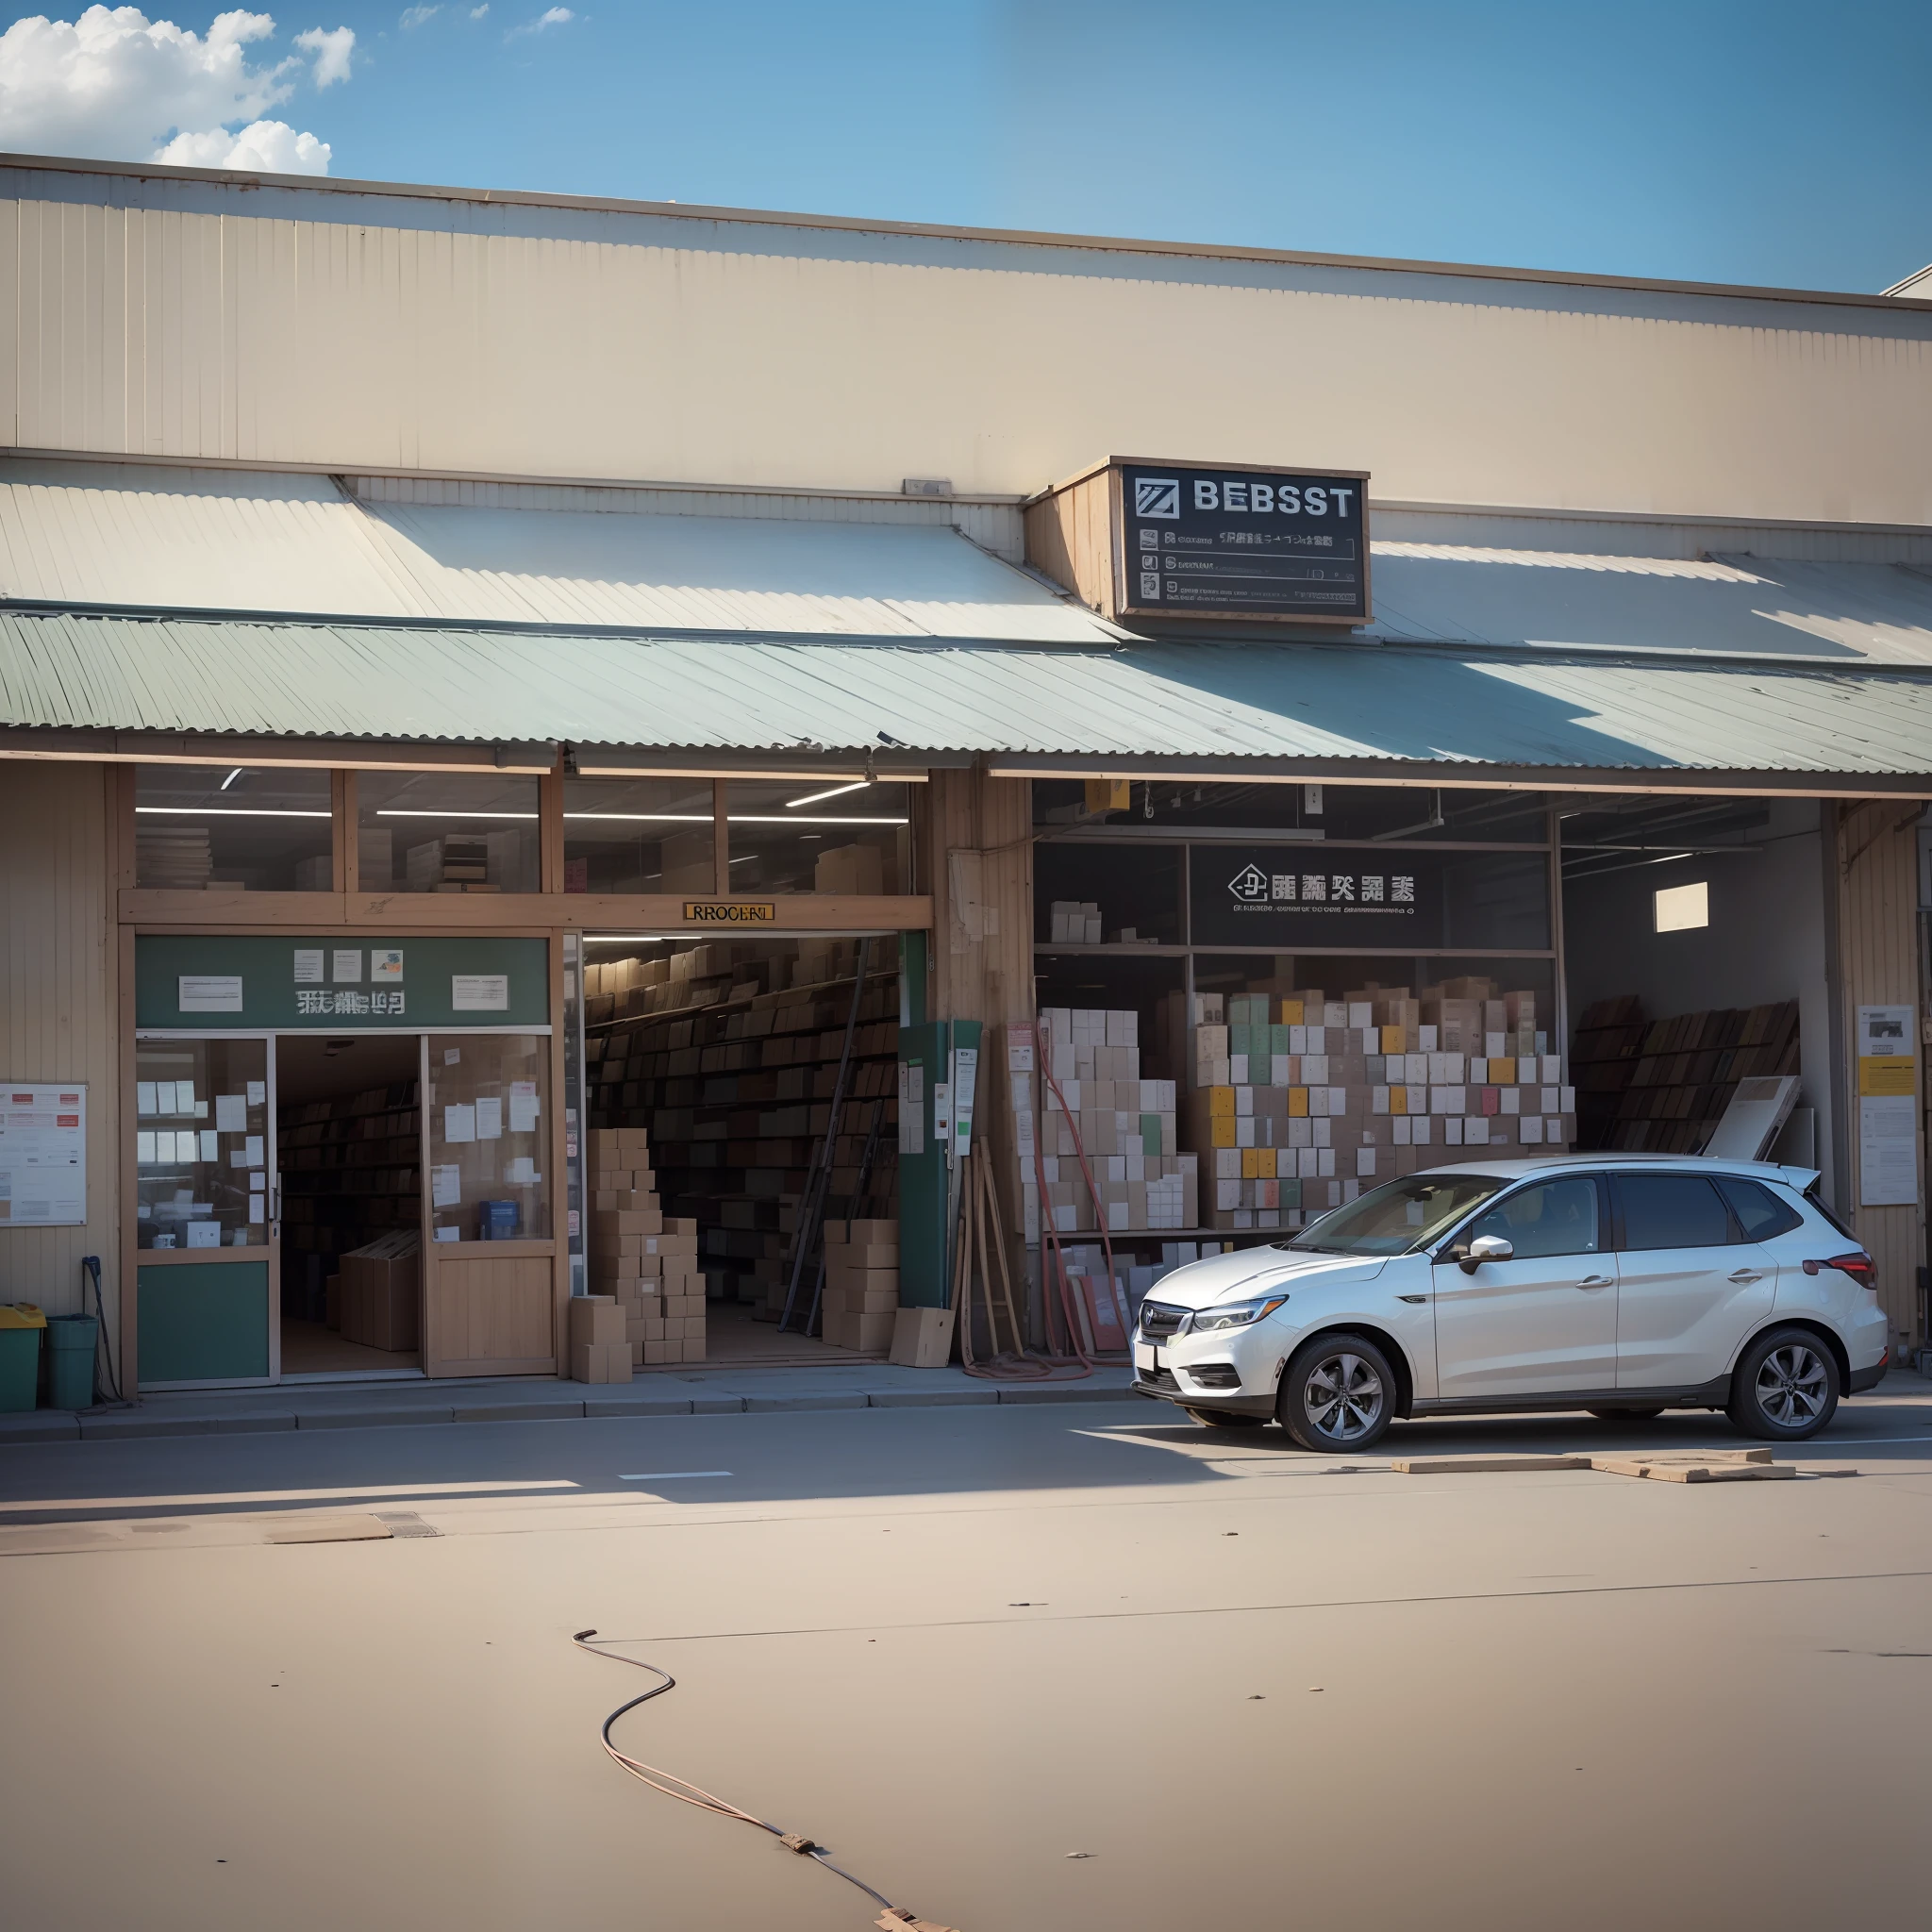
(862, 1298)
(1074, 922)
(1296, 1101)
(597, 1349)
(380, 1292)
(647, 1264)
(1098, 1104)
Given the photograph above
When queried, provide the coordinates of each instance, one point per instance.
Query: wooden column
(1877, 857)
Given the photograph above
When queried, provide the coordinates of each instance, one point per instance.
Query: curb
(110, 1427)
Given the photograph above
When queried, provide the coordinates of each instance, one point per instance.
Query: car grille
(1158, 1378)
(1159, 1320)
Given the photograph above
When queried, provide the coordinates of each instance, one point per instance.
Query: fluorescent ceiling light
(229, 811)
(232, 777)
(400, 812)
(837, 791)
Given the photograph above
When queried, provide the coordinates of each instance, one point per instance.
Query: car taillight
(1857, 1264)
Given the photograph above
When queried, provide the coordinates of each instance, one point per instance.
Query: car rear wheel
(1635, 1413)
(1339, 1393)
(1785, 1386)
(1225, 1419)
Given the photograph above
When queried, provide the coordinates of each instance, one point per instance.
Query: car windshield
(1396, 1219)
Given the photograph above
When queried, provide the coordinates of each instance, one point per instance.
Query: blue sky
(1766, 142)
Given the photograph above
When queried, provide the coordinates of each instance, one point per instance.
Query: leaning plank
(1681, 1471)
(1483, 1465)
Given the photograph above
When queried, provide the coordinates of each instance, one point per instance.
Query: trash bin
(71, 1361)
(21, 1323)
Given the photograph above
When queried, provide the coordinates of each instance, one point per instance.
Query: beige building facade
(356, 483)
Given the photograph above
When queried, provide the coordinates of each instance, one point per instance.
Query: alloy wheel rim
(1793, 1385)
(1343, 1397)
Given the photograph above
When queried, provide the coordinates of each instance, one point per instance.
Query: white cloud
(331, 50)
(415, 16)
(478, 12)
(114, 84)
(268, 147)
(554, 16)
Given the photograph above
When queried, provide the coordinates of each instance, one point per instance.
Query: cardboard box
(868, 1334)
(600, 1361)
(380, 1301)
(595, 1321)
(922, 1338)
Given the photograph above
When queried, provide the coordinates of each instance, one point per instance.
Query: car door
(1544, 1322)
(1689, 1283)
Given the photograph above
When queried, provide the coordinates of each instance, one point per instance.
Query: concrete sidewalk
(690, 1391)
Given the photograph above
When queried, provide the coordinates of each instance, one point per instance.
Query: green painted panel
(925, 1194)
(203, 1321)
(195, 984)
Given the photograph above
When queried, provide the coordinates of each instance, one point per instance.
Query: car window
(1398, 1218)
(1759, 1213)
(1552, 1218)
(1671, 1210)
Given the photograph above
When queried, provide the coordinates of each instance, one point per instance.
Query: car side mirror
(1486, 1247)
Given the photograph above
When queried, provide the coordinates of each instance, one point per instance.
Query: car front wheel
(1339, 1393)
(1785, 1386)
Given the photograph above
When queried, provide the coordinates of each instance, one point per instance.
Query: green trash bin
(21, 1323)
(71, 1361)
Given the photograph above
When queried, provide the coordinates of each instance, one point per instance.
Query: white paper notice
(307, 965)
(238, 1157)
(386, 966)
(43, 1156)
(445, 1186)
(452, 1056)
(144, 1097)
(257, 1210)
(449, 1234)
(184, 1097)
(911, 1108)
(203, 1234)
(211, 1149)
(346, 966)
(209, 992)
(258, 1093)
(231, 1113)
(145, 1149)
(458, 1125)
(1888, 1149)
(490, 1118)
(479, 992)
(523, 1107)
(521, 1172)
(256, 1158)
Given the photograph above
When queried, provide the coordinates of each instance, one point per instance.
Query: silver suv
(1619, 1284)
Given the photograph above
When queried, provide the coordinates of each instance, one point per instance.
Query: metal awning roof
(1363, 710)
(144, 538)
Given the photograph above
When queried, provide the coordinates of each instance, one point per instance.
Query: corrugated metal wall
(202, 321)
(1878, 890)
(59, 1007)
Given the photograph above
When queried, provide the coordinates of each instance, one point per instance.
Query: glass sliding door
(207, 1280)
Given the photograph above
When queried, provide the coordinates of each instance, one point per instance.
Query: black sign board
(1243, 542)
(1317, 894)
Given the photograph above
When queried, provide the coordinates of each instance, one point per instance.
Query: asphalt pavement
(1071, 1665)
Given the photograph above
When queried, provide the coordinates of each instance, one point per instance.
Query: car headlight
(1234, 1314)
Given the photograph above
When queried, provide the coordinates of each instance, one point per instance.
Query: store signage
(1888, 1107)
(1366, 897)
(196, 983)
(1243, 542)
(731, 911)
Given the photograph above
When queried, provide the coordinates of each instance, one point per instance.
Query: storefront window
(803, 835)
(1117, 894)
(232, 827)
(201, 1142)
(489, 1137)
(1314, 812)
(639, 835)
(446, 832)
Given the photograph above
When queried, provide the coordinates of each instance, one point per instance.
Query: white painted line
(351, 1494)
(670, 1475)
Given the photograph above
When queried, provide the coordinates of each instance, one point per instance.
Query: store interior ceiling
(314, 1066)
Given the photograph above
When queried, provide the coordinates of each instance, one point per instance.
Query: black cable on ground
(687, 1794)
(91, 1265)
